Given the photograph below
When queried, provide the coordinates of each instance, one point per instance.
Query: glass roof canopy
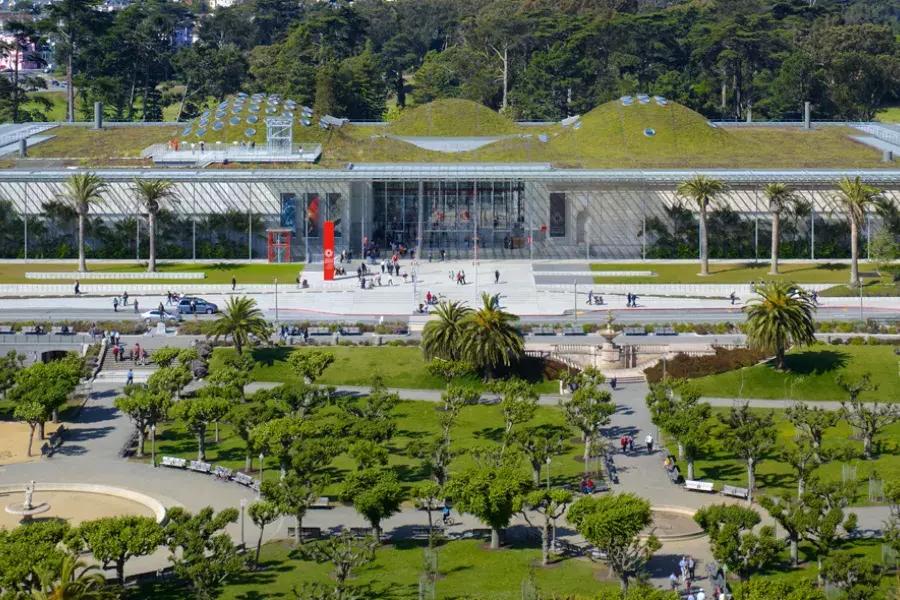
(465, 171)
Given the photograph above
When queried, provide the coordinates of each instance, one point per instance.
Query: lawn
(891, 114)
(810, 375)
(773, 475)
(107, 144)
(257, 272)
(725, 272)
(398, 366)
(467, 570)
(478, 426)
(872, 289)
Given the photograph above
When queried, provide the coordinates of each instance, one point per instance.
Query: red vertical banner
(328, 249)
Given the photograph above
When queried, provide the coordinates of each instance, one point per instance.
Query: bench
(479, 533)
(573, 331)
(360, 532)
(319, 331)
(58, 330)
(306, 533)
(242, 478)
(543, 331)
(737, 492)
(222, 472)
(699, 486)
(34, 330)
(351, 331)
(6, 330)
(321, 502)
(432, 504)
(634, 331)
(566, 548)
(666, 330)
(171, 461)
(200, 466)
(420, 532)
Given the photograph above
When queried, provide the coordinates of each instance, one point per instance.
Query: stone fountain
(27, 509)
(610, 354)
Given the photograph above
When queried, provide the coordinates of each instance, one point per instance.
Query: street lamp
(153, 444)
(276, 301)
(243, 506)
(261, 469)
(576, 301)
(548, 473)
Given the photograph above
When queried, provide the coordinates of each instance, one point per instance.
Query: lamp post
(548, 473)
(861, 318)
(243, 507)
(153, 445)
(575, 305)
(276, 301)
(262, 466)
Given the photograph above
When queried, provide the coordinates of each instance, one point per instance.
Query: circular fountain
(27, 509)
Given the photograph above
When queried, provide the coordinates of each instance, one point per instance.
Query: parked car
(200, 306)
(155, 315)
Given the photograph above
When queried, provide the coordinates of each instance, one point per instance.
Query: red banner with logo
(328, 249)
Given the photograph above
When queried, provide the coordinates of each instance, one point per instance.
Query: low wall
(159, 511)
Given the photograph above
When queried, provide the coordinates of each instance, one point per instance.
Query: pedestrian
(233, 283)
(443, 255)
(115, 305)
(682, 566)
(691, 565)
(631, 443)
(691, 596)
(590, 297)
(115, 351)
(733, 297)
(383, 265)
(673, 581)
(628, 300)
(194, 306)
(136, 309)
(162, 310)
(463, 277)
(125, 298)
(701, 595)
(93, 331)
(634, 301)
(649, 442)
(77, 287)
(130, 379)
(496, 276)
(623, 441)
(612, 382)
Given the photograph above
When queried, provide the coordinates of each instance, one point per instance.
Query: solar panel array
(243, 110)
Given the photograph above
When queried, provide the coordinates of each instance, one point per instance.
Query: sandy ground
(14, 442)
(74, 507)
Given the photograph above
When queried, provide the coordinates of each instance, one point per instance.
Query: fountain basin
(674, 523)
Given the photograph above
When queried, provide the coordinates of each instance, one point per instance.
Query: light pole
(548, 473)
(262, 465)
(575, 313)
(276, 301)
(153, 445)
(243, 506)
(861, 318)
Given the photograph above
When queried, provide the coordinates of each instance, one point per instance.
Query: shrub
(688, 367)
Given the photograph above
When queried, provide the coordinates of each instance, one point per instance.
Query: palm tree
(702, 190)
(857, 197)
(82, 190)
(782, 199)
(73, 581)
(781, 315)
(151, 193)
(241, 319)
(443, 338)
(489, 337)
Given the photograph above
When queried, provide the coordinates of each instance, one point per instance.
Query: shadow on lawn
(815, 362)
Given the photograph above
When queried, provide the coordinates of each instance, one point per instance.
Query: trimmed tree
(262, 513)
(198, 413)
(613, 524)
(309, 365)
(376, 494)
(550, 505)
(34, 414)
(750, 436)
(790, 513)
(867, 420)
(702, 191)
(588, 409)
(684, 418)
(857, 576)
(114, 540)
(345, 553)
(540, 444)
(811, 422)
(201, 552)
(518, 403)
(145, 409)
(779, 316)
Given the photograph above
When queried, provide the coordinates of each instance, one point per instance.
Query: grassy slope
(810, 375)
(113, 143)
(215, 272)
(451, 117)
(467, 570)
(725, 272)
(399, 366)
(477, 426)
(773, 475)
(890, 114)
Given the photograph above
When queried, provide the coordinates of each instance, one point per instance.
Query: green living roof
(611, 136)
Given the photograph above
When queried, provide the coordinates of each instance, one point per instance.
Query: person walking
(701, 595)
(443, 255)
(733, 298)
(130, 379)
(136, 309)
(496, 277)
(125, 298)
(649, 441)
(233, 282)
(673, 581)
(77, 287)
(115, 305)
(631, 443)
(691, 565)
(682, 566)
(612, 382)
(623, 441)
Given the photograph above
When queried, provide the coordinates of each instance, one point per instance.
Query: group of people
(345, 256)
(123, 301)
(686, 575)
(631, 300)
(587, 485)
(138, 354)
(595, 299)
(285, 332)
(460, 277)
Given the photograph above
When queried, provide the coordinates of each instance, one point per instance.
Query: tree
(26, 551)
(540, 444)
(867, 419)
(588, 409)
(169, 381)
(72, 580)
(803, 458)
(518, 403)
(766, 589)
(34, 414)
(750, 436)
(345, 553)
(782, 199)
(857, 198)
(151, 193)
(367, 454)
(702, 191)
(491, 492)
(276, 437)
(309, 364)
(200, 551)
(427, 496)
(551, 504)
(490, 339)
(884, 249)
(198, 413)
(230, 375)
(69, 21)
(243, 419)
(10, 364)
(49, 384)
(613, 524)
(376, 494)
(733, 542)
(374, 413)
(823, 506)
(857, 576)
(811, 422)
(779, 316)
(145, 409)
(442, 337)
(789, 511)
(262, 512)
(114, 540)
(684, 418)
(81, 191)
(165, 356)
(242, 321)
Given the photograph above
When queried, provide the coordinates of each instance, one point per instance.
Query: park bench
(34, 330)
(306, 533)
(420, 532)
(171, 461)
(321, 502)
(361, 532)
(7, 330)
(243, 479)
(200, 466)
(255, 485)
(566, 548)
(319, 331)
(665, 330)
(50, 447)
(351, 331)
(573, 331)
(222, 473)
(58, 330)
(595, 554)
(737, 492)
(543, 331)
(635, 331)
(699, 486)
(478, 532)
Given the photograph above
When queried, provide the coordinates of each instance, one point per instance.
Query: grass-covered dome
(451, 117)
